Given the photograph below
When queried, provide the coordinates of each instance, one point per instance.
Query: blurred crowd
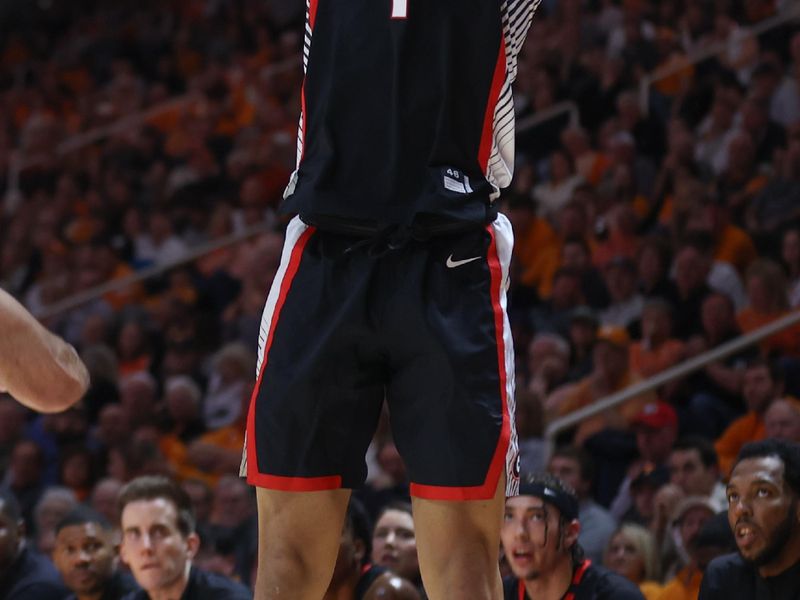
(656, 227)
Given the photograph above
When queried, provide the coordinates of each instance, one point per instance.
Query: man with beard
(540, 540)
(85, 555)
(764, 513)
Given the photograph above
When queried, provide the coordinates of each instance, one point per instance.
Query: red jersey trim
(487, 136)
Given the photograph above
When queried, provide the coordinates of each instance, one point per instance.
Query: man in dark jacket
(85, 554)
(764, 514)
(159, 543)
(24, 575)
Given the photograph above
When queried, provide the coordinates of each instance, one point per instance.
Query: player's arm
(36, 367)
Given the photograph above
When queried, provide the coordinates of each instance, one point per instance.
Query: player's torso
(398, 108)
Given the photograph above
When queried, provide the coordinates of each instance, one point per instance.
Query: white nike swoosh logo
(452, 264)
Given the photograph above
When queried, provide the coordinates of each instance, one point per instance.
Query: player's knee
(294, 565)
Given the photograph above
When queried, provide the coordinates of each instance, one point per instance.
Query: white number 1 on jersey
(399, 9)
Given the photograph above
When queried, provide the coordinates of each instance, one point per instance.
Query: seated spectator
(693, 467)
(575, 467)
(577, 255)
(583, 325)
(160, 244)
(691, 272)
(548, 363)
(394, 543)
(610, 374)
(776, 204)
(85, 555)
(701, 230)
(617, 230)
(159, 543)
(590, 165)
(656, 429)
(354, 577)
(740, 181)
(24, 478)
(766, 134)
(632, 553)
(113, 427)
(138, 395)
(763, 383)
(529, 416)
(790, 257)
(767, 301)
(133, 348)
(103, 498)
(77, 470)
(182, 397)
(552, 315)
(782, 420)
(232, 372)
(55, 502)
(540, 540)
(689, 519)
(232, 521)
(657, 350)
(716, 129)
(556, 191)
(653, 261)
(218, 452)
(24, 575)
(625, 308)
(713, 394)
(536, 247)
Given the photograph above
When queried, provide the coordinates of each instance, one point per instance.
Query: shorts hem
(453, 493)
(295, 484)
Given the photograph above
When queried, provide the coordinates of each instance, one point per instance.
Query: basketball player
(392, 285)
(36, 367)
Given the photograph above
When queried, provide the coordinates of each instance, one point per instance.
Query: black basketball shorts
(422, 326)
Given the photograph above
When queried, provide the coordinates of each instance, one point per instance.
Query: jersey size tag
(456, 181)
(399, 9)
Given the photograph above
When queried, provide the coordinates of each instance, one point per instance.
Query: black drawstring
(389, 239)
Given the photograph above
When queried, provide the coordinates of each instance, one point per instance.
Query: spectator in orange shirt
(705, 538)
(732, 244)
(536, 248)
(657, 350)
(687, 521)
(763, 383)
(182, 397)
(133, 348)
(610, 374)
(768, 301)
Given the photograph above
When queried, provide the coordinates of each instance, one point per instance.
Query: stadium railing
(116, 285)
(790, 13)
(680, 370)
(548, 114)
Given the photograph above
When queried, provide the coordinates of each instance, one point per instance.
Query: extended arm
(36, 367)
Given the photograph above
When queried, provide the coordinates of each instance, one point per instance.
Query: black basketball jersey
(407, 108)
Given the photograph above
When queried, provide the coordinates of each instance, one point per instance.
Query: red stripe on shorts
(487, 490)
(255, 477)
